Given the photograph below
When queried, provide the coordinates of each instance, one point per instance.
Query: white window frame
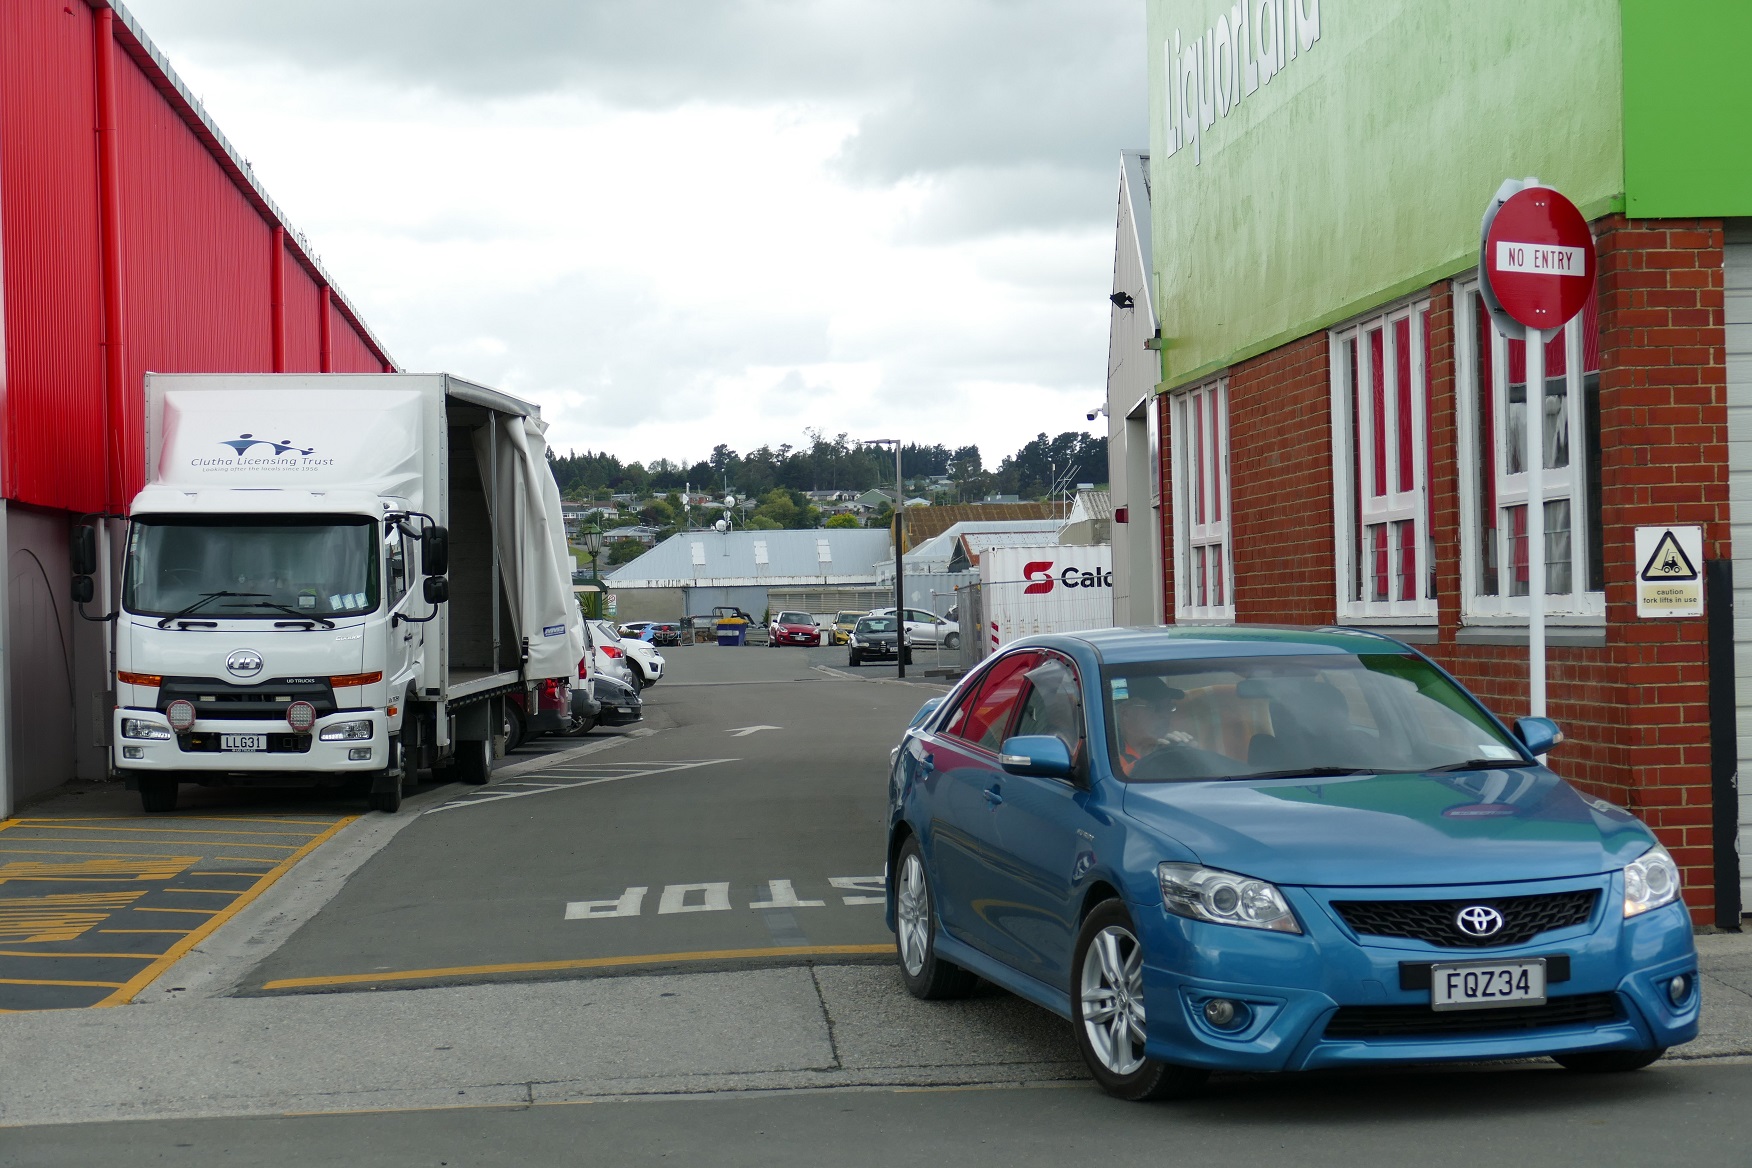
(1397, 506)
(1193, 541)
(1577, 607)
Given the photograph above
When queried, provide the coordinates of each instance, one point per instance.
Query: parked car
(604, 701)
(843, 624)
(927, 628)
(606, 656)
(874, 639)
(666, 634)
(552, 713)
(644, 663)
(793, 628)
(634, 628)
(1271, 850)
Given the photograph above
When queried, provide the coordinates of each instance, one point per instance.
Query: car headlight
(1650, 881)
(346, 731)
(1224, 898)
(141, 728)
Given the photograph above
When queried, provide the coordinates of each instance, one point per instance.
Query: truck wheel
(388, 802)
(385, 794)
(516, 727)
(157, 794)
(474, 762)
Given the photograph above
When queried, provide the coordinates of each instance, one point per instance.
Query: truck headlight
(1224, 898)
(141, 728)
(1650, 881)
(346, 731)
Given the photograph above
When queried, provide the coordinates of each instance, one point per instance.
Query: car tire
(1107, 1011)
(638, 672)
(854, 660)
(906, 658)
(952, 641)
(158, 794)
(1608, 1062)
(927, 976)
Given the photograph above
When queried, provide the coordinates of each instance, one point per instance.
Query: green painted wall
(1687, 108)
(1361, 170)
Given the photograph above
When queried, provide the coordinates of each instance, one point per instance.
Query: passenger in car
(1144, 717)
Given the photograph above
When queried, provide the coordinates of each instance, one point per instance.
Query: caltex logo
(1041, 579)
(1040, 572)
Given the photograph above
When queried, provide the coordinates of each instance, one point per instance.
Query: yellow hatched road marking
(56, 839)
(34, 981)
(178, 932)
(200, 818)
(162, 869)
(206, 912)
(245, 859)
(212, 873)
(129, 956)
(214, 891)
(578, 963)
(35, 919)
(195, 936)
(8, 850)
(68, 825)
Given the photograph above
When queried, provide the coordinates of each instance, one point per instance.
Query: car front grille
(1366, 1022)
(1434, 921)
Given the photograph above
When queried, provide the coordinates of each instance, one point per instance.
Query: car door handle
(994, 796)
(927, 762)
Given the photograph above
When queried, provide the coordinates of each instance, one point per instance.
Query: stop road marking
(714, 896)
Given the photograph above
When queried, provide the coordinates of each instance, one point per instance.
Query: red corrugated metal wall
(303, 318)
(52, 449)
(195, 258)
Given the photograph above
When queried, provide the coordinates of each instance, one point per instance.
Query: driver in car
(1144, 716)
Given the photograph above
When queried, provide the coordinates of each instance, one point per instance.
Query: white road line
(499, 792)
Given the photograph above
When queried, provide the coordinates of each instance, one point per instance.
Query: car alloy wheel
(926, 975)
(1112, 989)
(912, 910)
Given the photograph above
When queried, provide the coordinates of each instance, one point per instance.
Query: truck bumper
(186, 752)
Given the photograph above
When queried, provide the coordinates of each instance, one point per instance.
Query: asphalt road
(1529, 1114)
(746, 819)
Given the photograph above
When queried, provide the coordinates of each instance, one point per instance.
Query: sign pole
(1535, 372)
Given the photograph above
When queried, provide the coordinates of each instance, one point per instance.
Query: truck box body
(303, 498)
(1053, 588)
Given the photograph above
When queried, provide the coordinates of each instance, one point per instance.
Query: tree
(841, 520)
(624, 551)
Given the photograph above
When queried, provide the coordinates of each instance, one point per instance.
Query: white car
(926, 628)
(642, 661)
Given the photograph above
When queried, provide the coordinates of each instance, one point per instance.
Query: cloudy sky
(698, 221)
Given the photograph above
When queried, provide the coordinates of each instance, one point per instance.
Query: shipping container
(1051, 588)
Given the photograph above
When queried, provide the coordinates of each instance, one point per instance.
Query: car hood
(1465, 827)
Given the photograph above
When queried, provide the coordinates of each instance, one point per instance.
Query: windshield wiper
(1319, 772)
(1480, 764)
(211, 596)
(310, 617)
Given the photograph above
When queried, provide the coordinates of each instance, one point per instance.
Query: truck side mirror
(436, 589)
(435, 551)
(83, 547)
(83, 590)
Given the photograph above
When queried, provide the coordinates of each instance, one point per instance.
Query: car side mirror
(83, 590)
(1538, 735)
(436, 589)
(1044, 756)
(435, 552)
(83, 549)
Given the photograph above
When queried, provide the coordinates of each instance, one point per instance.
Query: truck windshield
(325, 567)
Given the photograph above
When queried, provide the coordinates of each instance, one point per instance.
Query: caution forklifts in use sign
(1669, 571)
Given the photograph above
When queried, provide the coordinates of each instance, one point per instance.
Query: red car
(793, 628)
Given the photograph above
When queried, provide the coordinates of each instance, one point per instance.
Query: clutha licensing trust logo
(244, 443)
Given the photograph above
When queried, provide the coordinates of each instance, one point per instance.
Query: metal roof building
(692, 572)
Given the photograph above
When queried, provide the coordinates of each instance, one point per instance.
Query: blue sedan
(1274, 849)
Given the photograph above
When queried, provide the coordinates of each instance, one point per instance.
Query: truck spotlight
(180, 714)
(301, 716)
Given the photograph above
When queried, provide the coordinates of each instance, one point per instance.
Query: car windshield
(609, 633)
(268, 564)
(846, 618)
(796, 618)
(876, 624)
(1245, 717)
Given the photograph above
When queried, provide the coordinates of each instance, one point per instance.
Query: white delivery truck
(332, 580)
(1053, 588)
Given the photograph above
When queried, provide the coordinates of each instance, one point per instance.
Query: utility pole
(899, 554)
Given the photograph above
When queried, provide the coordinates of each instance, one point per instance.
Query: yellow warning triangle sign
(1669, 561)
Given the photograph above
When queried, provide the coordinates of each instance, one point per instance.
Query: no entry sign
(1538, 258)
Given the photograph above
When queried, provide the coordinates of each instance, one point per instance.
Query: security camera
(1098, 412)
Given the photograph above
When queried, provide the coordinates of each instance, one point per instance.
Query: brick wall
(1636, 710)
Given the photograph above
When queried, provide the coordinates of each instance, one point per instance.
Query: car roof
(1125, 645)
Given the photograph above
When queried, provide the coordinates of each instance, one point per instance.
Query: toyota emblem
(1479, 920)
(244, 663)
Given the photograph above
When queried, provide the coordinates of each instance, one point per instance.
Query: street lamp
(899, 533)
(593, 545)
